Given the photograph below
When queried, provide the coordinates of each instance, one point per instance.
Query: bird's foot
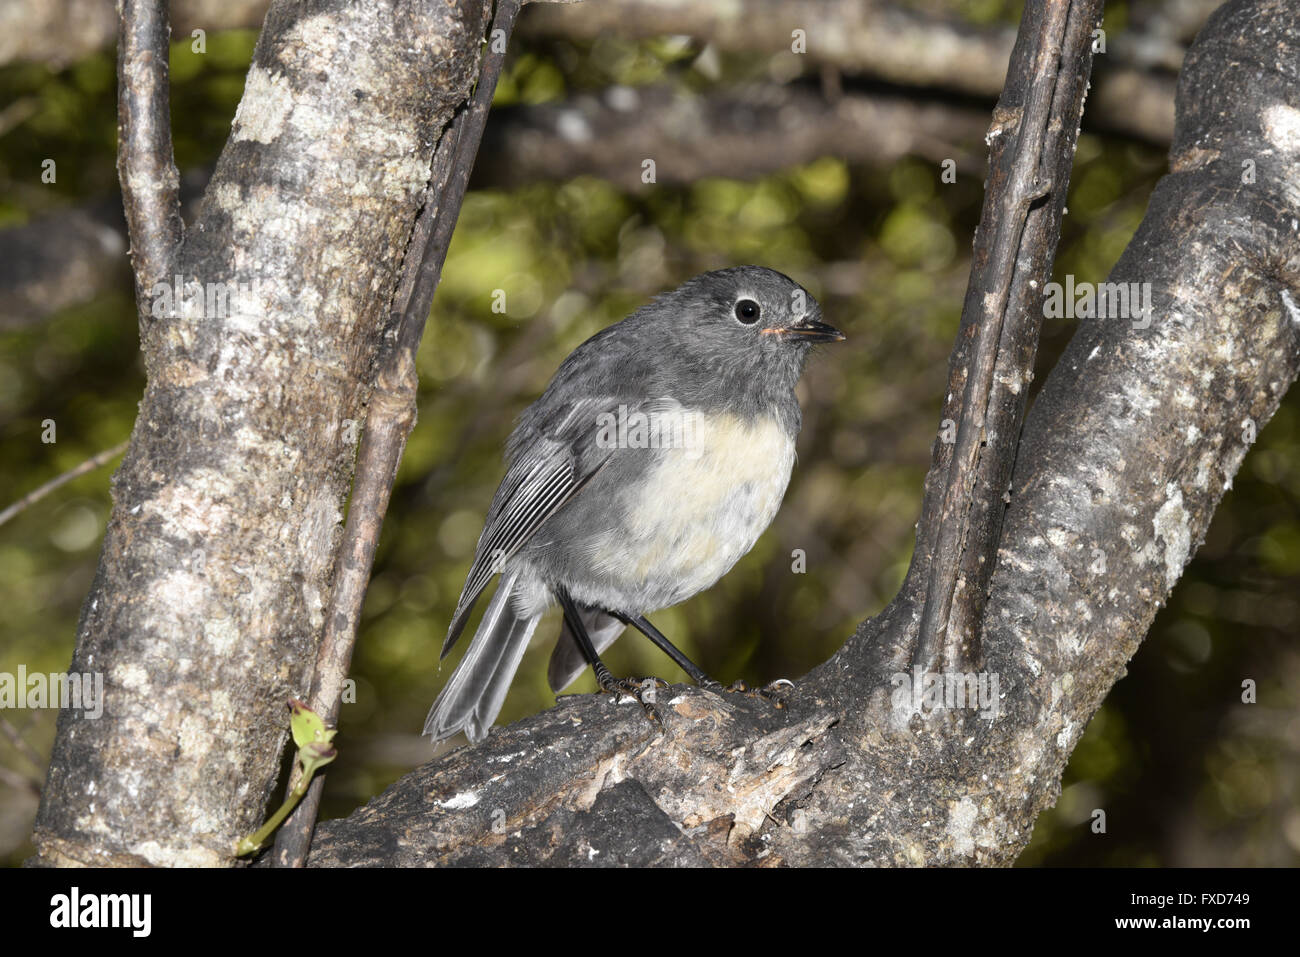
(778, 692)
(642, 690)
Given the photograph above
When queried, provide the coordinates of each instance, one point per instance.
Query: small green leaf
(306, 724)
(314, 752)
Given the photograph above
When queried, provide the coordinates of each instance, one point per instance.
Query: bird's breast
(701, 505)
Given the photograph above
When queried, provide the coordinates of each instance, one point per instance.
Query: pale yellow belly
(712, 499)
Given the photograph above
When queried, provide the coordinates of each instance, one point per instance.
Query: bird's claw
(636, 689)
(776, 692)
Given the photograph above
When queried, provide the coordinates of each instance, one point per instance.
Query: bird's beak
(807, 330)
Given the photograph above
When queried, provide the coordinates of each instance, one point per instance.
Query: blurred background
(824, 163)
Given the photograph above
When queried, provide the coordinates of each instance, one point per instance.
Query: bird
(653, 461)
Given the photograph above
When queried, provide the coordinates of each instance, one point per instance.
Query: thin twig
(18, 112)
(390, 419)
(19, 782)
(38, 493)
(22, 745)
(145, 163)
(1023, 189)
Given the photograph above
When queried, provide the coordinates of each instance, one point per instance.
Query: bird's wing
(551, 466)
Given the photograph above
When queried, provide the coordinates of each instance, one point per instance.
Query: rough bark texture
(393, 409)
(1127, 450)
(207, 604)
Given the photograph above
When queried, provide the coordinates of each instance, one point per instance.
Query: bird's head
(747, 321)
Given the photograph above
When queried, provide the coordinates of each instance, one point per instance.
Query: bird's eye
(747, 311)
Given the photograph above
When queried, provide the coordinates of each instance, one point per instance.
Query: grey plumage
(473, 696)
(626, 525)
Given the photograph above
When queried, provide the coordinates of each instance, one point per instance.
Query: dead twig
(145, 163)
(38, 493)
(1008, 260)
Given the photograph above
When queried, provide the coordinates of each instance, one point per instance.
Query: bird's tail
(477, 689)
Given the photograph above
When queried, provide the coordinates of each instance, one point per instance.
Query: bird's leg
(606, 680)
(697, 674)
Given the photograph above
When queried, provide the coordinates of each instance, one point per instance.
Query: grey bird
(653, 461)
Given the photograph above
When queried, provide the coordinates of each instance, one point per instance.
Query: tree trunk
(207, 605)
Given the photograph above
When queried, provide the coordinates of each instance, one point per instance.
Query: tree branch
(145, 166)
(1039, 110)
(740, 133)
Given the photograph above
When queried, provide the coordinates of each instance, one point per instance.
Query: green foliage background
(1185, 772)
